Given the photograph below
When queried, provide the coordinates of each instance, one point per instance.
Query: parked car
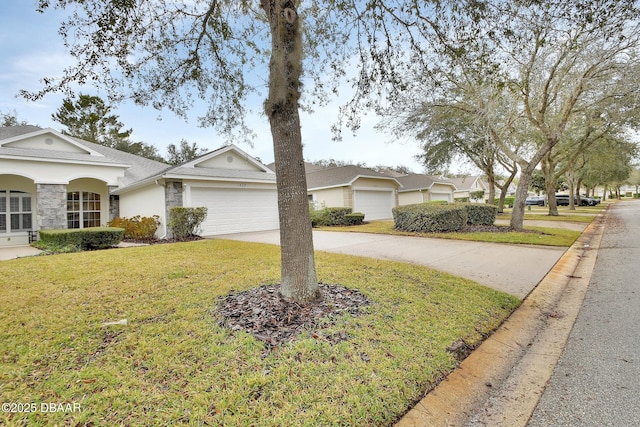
(535, 201)
(588, 201)
(563, 200)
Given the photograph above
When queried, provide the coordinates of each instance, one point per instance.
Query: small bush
(137, 227)
(461, 199)
(329, 216)
(481, 214)
(186, 222)
(355, 218)
(80, 239)
(430, 218)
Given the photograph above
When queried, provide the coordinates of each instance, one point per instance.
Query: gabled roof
(214, 166)
(418, 181)
(467, 182)
(308, 167)
(342, 176)
(80, 152)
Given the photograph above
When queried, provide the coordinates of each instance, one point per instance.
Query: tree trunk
(551, 184)
(298, 271)
(517, 215)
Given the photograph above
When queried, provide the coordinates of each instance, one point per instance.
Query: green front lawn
(173, 364)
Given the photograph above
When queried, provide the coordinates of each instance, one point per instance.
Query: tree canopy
(88, 117)
(521, 73)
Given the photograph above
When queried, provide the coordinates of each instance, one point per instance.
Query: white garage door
(236, 210)
(373, 204)
(441, 196)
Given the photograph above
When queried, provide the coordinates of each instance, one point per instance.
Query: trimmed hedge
(82, 238)
(355, 218)
(137, 227)
(335, 216)
(430, 218)
(481, 214)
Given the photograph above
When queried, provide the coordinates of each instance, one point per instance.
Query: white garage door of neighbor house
(441, 196)
(373, 204)
(236, 210)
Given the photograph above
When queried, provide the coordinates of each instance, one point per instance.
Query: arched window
(15, 211)
(83, 209)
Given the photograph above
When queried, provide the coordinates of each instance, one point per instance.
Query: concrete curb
(500, 383)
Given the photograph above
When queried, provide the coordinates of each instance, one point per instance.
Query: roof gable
(229, 157)
(48, 140)
(342, 176)
(416, 181)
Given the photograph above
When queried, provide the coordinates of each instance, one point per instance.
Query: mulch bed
(492, 229)
(274, 320)
(155, 241)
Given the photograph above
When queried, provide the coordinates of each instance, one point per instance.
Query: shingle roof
(339, 176)
(465, 182)
(418, 181)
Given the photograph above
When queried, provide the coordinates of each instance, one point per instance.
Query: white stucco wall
(410, 197)
(60, 173)
(47, 141)
(228, 160)
(146, 201)
(329, 198)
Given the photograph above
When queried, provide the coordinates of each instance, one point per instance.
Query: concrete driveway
(515, 269)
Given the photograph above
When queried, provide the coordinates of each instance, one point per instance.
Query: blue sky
(30, 49)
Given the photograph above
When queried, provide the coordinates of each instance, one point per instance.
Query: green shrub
(186, 222)
(509, 201)
(476, 195)
(430, 218)
(137, 227)
(480, 213)
(461, 199)
(80, 238)
(329, 216)
(355, 218)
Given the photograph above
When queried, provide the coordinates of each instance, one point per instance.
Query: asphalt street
(596, 381)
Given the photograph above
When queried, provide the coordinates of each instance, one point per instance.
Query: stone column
(114, 204)
(52, 206)
(173, 198)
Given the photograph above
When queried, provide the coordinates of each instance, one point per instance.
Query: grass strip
(546, 236)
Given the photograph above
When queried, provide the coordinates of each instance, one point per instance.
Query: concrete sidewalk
(515, 269)
(12, 252)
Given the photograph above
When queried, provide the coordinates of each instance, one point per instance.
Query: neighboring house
(511, 189)
(372, 193)
(50, 180)
(419, 188)
(467, 185)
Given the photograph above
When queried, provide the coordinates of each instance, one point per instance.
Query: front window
(15, 211)
(83, 209)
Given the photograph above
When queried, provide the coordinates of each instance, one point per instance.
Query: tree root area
(275, 321)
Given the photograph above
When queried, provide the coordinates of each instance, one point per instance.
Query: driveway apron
(515, 269)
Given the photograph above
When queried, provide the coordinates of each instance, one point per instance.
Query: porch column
(173, 198)
(114, 204)
(51, 206)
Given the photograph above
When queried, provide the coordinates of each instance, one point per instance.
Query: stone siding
(173, 198)
(52, 206)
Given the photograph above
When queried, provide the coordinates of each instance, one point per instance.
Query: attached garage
(236, 210)
(442, 196)
(374, 204)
